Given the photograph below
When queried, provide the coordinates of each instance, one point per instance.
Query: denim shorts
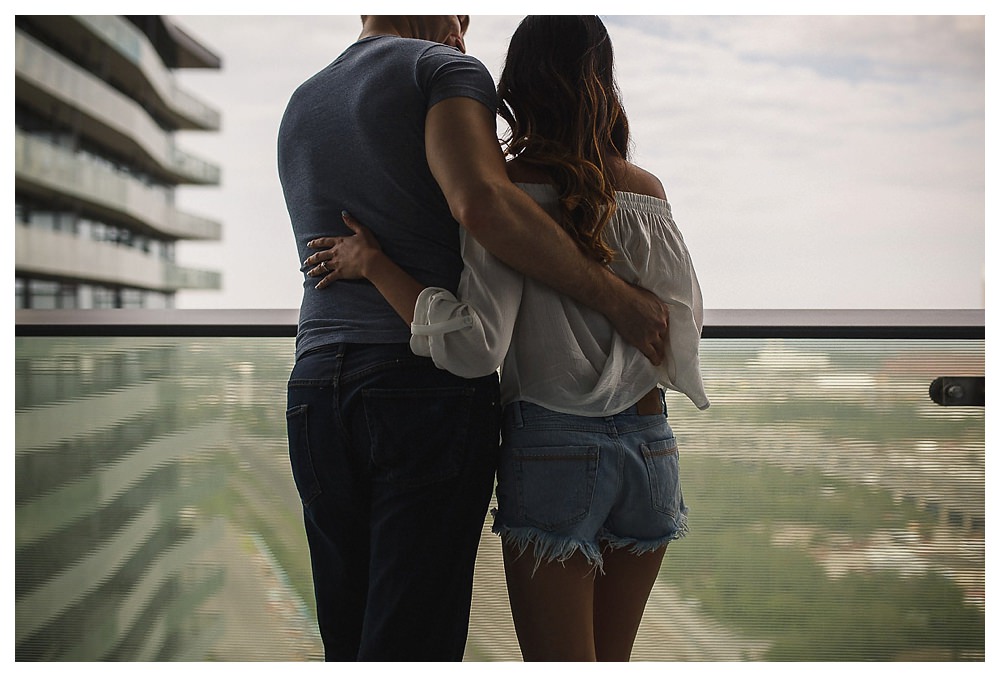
(567, 483)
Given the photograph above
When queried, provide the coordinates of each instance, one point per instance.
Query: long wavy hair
(559, 97)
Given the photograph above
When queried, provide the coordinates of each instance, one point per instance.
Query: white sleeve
(662, 264)
(469, 335)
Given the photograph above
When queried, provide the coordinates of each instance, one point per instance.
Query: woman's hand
(359, 256)
(343, 258)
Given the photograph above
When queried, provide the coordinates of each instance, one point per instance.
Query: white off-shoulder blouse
(553, 351)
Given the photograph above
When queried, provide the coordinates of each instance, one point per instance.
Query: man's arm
(468, 164)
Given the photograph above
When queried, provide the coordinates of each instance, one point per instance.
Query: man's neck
(387, 25)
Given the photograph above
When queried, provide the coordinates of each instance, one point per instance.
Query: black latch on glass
(959, 391)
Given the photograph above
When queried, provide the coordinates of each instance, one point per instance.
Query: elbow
(469, 366)
(479, 357)
(492, 362)
(477, 209)
(482, 368)
(477, 373)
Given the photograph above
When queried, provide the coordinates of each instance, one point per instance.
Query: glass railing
(837, 512)
(52, 167)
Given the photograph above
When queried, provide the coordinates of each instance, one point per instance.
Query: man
(393, 458)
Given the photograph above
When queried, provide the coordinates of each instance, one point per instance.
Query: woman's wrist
(375, 264)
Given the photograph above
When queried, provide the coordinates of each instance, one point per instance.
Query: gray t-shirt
(352, 137)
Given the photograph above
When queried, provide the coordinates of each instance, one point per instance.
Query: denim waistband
(520, 414)
(335, 361)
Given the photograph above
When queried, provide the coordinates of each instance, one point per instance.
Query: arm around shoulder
(466, 160)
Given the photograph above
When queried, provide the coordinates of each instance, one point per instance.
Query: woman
(588, 478)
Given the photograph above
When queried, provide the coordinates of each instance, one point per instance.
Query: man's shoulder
(425, 56)
(418, 46)
(438, 52)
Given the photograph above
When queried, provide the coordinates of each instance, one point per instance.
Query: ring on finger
(323, 266)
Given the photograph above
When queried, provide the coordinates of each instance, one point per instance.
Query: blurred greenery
(731, 564)
(839, 522)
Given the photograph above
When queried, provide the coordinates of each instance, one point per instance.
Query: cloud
(812, 161)
(786, 165)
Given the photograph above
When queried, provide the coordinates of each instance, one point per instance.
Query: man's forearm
(466, 160)
(512, 227)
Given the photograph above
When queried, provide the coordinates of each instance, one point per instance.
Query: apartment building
(97, 165)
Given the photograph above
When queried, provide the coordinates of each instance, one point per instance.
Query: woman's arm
(360, 256)
(469, 335)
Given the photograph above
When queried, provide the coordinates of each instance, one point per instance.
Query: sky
(816, 161)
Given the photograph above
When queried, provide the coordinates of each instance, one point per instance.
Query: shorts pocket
(300, 453)
(554, 485)
(662, 464)
(419, 435)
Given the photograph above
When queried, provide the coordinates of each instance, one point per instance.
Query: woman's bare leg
(553, 610)
(620, 599)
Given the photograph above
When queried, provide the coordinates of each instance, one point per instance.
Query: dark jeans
(394, 460)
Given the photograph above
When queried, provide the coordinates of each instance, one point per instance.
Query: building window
(131, 298)
(44, 220)
(20, 293)
(30, 293)
(104, 297)
(43, 294)
(158, 300)
(46, 294)
(169, 251)
(67, 295)
(85, 296)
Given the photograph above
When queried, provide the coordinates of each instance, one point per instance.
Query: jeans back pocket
(300, 453)
(419, 436)
(554, 486)
(663, 466)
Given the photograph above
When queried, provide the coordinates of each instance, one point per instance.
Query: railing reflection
(837, 513)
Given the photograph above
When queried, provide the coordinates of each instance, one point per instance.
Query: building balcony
(125, 53)
(47, 169)
(187, 110)
(55, 255)
(48, 82)
(837, 511)
(128, 42)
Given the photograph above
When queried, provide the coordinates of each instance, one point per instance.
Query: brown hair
(558, 94)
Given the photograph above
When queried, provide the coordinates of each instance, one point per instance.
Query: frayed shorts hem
(549, 547)
(640, 546)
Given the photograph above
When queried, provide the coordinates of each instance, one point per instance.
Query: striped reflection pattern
(837, 513)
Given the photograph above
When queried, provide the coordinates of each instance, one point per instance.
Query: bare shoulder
(522, 172)
(634, 179)
(627, 177)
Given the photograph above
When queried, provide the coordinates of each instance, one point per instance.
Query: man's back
(352, 138)
(376, 434)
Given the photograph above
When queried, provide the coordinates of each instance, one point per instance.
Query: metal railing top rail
(733, 323)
